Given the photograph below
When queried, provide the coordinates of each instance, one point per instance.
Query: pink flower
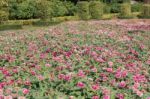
(124, 73)
(1, 91)
(139, 78)
(105, 91)
(110, 64)
(142, 45)
(147, 97)
(136, 85)
(80, 84)
(21, 97)
(118, 75)
(148, 62)
(122, 84)
(95, 97)
(42, 56)
(8, 97)
(68, 54)
(61, 76)
(33, 72)
(25, 91)
(40, 77)
(71, 97)
(109, 69)
(48, 65)
(67, 77)
(80, 73)
(94, 69)
(106, 97)
(120, 95)
(139, 93)
(94, 87)
(27, 82)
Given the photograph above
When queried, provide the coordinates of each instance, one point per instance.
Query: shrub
(44, 9)
(136, 7)
(44, 23)
(10, 27)
(115, 8)
(106, 9)
(125, 10)
(58, 8)
(3, 11)
(145, 11)
(26, 9)
(96, 9)
(3, 16)
(71, 8)
(83, 10)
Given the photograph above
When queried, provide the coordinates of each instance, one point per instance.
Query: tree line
(30, 9)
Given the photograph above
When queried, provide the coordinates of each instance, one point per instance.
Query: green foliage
(106, 8)
(27, 9)
(145, 11)
(96, 9)
(136, 7)
(125, 10)
(58, 8)
(83, 10)
(10, 27)
(44, 23)
(3, 16)
(44, 9)
(3, 11)
(71, 8)
(115, 8)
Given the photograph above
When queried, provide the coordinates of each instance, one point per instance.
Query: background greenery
(48, 10)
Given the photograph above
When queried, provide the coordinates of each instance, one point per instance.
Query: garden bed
(77, 60)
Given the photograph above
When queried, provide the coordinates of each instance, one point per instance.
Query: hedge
(96, 9)
(44, 23)
(10, 27)
(125, 10)
(83, 10)
(145, 11)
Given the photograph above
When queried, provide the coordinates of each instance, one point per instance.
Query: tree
(146, 9)
(3, 11)
(44, 9)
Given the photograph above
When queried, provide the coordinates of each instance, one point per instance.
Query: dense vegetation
(46, 9)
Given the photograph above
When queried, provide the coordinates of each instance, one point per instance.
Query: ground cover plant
(77, 60)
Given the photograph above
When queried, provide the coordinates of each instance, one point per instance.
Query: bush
(71, 8)
(96, 9)
(44, 9)
(136, 7)
(58, 8)
(65, 18)
(3, 16)
(83, 10)
(106, 9)
(10, 27)
(115, 8)
(44, 23)
(125, 10)
(26, 9)
(145, 11)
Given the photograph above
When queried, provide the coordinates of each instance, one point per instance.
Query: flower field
(77, 60)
